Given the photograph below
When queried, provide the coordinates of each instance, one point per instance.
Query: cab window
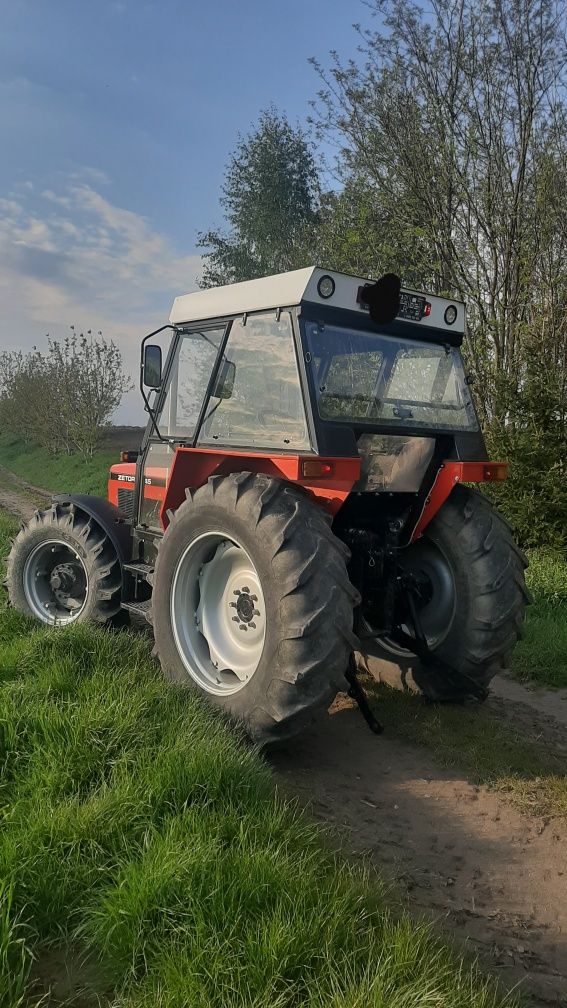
(188, 380)
(257, 400)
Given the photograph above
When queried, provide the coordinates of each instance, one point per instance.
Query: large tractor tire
(252, 605)
(63, 569)
(473, 605)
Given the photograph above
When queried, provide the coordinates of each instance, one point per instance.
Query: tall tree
(270, 197)
(455, 123)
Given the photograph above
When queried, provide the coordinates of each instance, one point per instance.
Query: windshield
(374, 378)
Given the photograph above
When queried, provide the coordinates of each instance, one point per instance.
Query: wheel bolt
(252, 626)
(247, 590)
(243, 626)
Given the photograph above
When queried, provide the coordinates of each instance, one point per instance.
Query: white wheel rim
(218, 614)
(55, 582)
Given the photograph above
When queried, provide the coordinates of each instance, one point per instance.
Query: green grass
(542, 655)
(60, 473)
(143, 837)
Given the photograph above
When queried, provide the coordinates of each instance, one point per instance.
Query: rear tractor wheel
(470, 597)
(63, 569)
(252, 605)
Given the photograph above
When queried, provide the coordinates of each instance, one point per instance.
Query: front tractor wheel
(470, 595)
(63, 569)
(252, 604)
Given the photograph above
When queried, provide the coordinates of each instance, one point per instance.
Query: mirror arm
(144, 396)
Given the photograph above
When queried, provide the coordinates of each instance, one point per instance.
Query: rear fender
(448, 475)
(107, 515)
(193, 466)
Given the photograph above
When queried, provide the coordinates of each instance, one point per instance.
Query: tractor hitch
(357, 693)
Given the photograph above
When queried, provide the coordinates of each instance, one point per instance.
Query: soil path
(511, 698)
(490, 878)
(19, 497)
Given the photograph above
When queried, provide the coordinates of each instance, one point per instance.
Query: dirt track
(19, 497)
(491, 878)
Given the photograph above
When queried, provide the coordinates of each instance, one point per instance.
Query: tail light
(496, 472)
(129, 456)
(315, 469)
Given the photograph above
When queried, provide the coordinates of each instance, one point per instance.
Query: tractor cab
(308, 365)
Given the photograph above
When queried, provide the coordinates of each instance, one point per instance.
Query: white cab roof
(285, 290)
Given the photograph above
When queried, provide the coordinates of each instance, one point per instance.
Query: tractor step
(138, 608)
(139, 569)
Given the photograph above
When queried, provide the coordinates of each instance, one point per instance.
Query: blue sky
(116, 120)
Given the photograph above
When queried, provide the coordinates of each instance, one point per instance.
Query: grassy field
(58, 472)
(146, 859)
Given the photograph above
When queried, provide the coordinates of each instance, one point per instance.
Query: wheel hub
(426, 574)
(63, 579)
(222, 642)
(55, 582)
(245, 606)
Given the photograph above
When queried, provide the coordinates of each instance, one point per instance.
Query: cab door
(188, 377)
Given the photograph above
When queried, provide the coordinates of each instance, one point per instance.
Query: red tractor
(301, 493)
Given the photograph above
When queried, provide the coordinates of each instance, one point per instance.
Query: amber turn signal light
(496, 472)
(316, 469)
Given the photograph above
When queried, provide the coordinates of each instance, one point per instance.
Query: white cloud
(73, 257)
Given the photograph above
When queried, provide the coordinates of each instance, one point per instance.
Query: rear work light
(496, 472)
(316, 469)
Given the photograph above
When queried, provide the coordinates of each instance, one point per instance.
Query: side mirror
(151, 368)
(224, 385)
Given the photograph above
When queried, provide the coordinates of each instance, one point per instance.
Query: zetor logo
(124, 478)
